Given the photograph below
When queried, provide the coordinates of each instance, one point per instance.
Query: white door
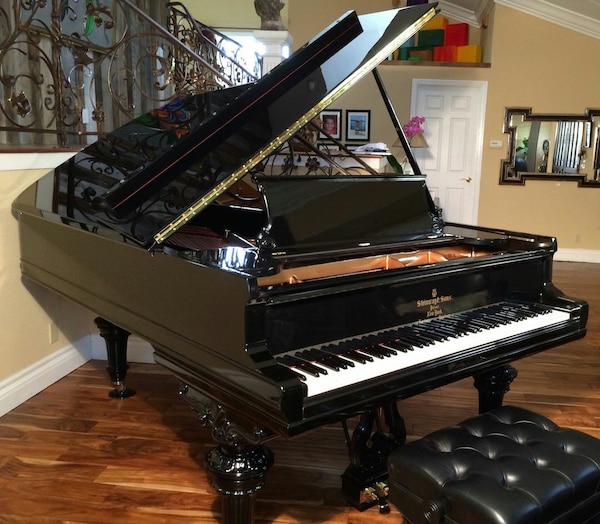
(454, 114)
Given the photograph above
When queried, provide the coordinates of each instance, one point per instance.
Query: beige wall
(26, 310)
(229, 14)
(537, 64)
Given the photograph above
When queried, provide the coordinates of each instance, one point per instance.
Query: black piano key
(356, 356)
(310, 356)
(369, 340)
(301, 376)
(355, 345)
(414, 338)
(459, 327)
(539, 309)
(342, 362)
(387, 350)
(310, 368)
(510, 316)
(430, 333)
(470, 327)
(399, 345)
(374, 351)
(394, 336)
(492, 319)
(481, 323)
(324, 358)
(346, 352)
(449, 330)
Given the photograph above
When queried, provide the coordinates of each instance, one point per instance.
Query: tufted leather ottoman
(509, 466)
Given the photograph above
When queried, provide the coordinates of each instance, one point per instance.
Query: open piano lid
(151, 176)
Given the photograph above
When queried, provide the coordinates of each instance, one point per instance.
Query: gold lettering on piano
(434, 304)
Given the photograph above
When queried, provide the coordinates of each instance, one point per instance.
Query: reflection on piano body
(287, 302)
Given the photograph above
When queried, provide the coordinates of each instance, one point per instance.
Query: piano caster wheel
(384, 507)
(121, 391)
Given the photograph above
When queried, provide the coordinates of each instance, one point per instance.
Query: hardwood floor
(71, 454)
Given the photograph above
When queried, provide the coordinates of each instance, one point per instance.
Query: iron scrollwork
(71, 72)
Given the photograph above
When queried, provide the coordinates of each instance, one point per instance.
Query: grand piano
(284, 303)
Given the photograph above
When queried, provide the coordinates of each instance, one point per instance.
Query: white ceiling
(579, 15)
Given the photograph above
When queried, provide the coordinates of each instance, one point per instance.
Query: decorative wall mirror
(551, 147)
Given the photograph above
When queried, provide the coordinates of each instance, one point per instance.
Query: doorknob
(468, 179)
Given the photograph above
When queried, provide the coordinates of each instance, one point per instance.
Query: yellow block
(437, 22)
(468, 53)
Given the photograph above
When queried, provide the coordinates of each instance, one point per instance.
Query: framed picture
(331, 123)
(358, 125)
(328, 147)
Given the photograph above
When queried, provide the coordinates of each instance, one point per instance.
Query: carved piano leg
(238, 474)
(238, 465)
(363, 482)
(492, 386)
(116, 350)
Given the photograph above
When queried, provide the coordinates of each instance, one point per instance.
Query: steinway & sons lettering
(434, 304)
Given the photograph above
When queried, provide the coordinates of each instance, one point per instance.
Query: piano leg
(115, 339)
(239, 463)
(492, 386)
(363, 482)
(238, 474)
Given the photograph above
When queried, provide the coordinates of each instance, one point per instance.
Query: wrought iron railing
(73, 70)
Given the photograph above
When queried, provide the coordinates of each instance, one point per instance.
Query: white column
(274, 42)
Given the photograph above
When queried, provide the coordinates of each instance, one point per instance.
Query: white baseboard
(30, 381)
(577, 255)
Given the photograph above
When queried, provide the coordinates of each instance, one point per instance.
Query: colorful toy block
(468, 53)
(457, 34)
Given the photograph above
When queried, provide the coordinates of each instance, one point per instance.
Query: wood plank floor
(71, 454)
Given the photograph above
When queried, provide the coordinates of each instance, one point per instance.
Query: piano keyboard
(342, 363)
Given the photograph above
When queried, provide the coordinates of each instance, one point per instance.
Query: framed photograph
(358, 125)
(328, 147)
(331, 123)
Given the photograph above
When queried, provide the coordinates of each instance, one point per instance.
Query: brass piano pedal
(376, 494)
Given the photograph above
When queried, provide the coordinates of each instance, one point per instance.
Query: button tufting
(432, 511)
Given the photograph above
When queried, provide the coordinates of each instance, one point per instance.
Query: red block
(457, 34)
(447, 53)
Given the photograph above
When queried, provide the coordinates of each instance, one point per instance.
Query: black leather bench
(509, 466)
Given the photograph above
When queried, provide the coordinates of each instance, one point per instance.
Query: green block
(431, 37)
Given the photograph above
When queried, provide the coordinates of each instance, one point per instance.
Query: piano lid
(154, 174)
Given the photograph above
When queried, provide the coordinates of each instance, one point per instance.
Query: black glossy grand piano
(282, 302)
